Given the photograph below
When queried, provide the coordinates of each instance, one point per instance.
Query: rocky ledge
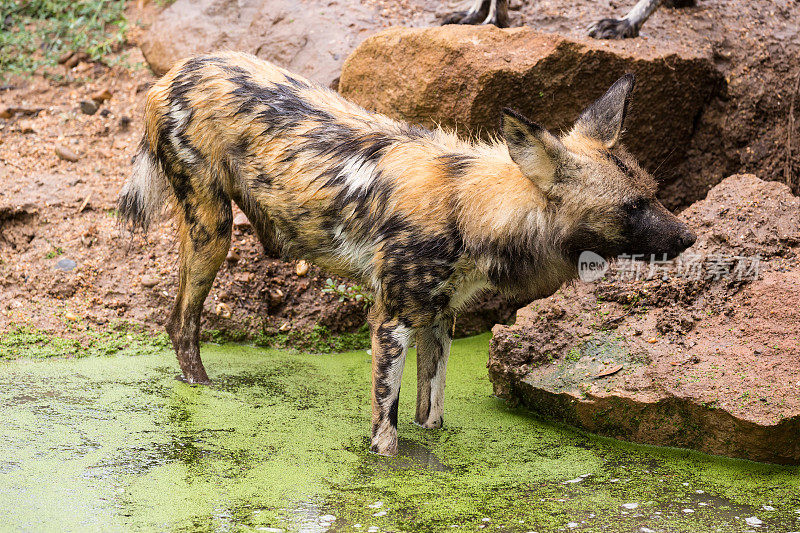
(702, 353)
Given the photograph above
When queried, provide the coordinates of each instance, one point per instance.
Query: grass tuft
(35, 33)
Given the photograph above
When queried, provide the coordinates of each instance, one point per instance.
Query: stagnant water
(280, 441)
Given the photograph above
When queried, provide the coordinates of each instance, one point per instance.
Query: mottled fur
(423, 218)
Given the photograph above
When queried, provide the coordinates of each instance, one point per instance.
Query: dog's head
(598, 193)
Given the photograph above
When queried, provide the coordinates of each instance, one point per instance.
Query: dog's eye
(634, 205)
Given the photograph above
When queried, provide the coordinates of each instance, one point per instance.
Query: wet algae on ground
(279, 441)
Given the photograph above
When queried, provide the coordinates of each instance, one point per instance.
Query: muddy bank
(703, 353)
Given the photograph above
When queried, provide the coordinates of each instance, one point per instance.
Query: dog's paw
(613, 29)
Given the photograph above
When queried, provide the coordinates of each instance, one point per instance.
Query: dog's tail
(146, 193)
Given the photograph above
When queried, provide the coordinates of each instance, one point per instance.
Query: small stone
(101, 96)
(753, 521)
(275, 297)
(302, 268)
(373, 529)
(63, 58)
(224, 310)
(233, 255)
(66, 264)
(66, 154)
(688, 511)
(76, 58)
(149, 281)
(69, 315)
(486, 519)
(698, 491)
(572, 525)
(630, 505)
(379, 514)
(768, 507)
(646, 530)
(25, 126)
(88, 107)
(576, 480)
(240, 221)
(652, 340)
(285, 327)
(376, 505)
(124, 122)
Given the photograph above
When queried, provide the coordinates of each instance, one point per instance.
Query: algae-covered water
(280, 442)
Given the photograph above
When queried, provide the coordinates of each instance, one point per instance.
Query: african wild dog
(425, 219)
(496, 12)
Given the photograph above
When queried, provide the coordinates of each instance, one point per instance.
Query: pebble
(652, 340)
(572, 525)
(240, 221)
(66, 154)
(66, 264)
(373, 529)
(576, 480)
(124, 122)
(688, 511)
(379, 514)
(69, 315)
(285, 327)
(224, 310)
(233, 256)
(149, 281)
(486, 519)
(25, 126)
(753, 521)
(88, 107)
(630, 505)
(101, 96)
(646, 530)
(376, 505)
(302, 268)
(768, 508)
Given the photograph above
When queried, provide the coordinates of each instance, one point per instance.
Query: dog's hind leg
(205, 237)
(433, 349)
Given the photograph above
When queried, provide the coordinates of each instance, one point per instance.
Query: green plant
(55, 252)
(37, 32)
(349, 292)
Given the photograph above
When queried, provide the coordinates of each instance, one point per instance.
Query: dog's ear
(534, 149)
(605, 118)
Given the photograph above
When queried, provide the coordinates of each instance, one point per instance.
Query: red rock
(723, 378)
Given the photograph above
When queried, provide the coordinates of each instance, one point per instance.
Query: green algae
(116, 338)
(280, 440)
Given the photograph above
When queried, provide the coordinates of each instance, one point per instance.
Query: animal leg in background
(482, 12)
(630, 24)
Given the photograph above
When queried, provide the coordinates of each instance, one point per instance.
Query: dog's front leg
(433, 349)
(390, 340)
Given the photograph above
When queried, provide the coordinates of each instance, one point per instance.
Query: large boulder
(461, 76)
(704, 353)
(311, 37)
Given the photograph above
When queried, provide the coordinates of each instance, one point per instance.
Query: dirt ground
(54, 209)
